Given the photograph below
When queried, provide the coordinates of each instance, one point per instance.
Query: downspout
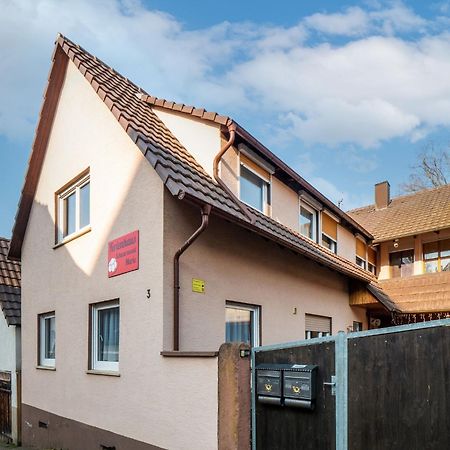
(232, 131)
(206, 210)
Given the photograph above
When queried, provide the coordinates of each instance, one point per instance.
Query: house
(412, 237)
(149, 233)
(10, 358)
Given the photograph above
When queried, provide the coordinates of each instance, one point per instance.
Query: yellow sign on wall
(198, 286)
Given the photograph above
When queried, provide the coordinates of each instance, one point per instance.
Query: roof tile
(10, 278)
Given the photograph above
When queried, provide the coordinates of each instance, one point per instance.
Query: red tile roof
(179, 171)
(9, 285)
(407, 215)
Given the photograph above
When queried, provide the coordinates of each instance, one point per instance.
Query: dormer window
(308, 221)
(254, 185)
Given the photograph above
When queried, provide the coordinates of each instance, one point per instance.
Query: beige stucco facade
(149, 401)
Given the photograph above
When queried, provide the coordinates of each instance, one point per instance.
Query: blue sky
(347, 93)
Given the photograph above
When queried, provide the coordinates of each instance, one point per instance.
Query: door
(5, 403)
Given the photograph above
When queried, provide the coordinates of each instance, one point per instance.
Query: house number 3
(149, 293)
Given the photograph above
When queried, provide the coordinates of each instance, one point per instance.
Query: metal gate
(5, 404)
(372, 390)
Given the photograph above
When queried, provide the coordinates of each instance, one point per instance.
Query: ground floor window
(242, 323)
(357, 326)
(317, 326)
(105, 324)
(47, 339)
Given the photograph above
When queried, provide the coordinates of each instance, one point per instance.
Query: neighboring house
(10, 359)
(150, 233)
(412, 236)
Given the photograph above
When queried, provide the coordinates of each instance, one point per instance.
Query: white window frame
(256, 310)
(374, 271)
(267, 186)
(331, 239)
(104, 366)
(362, 260)
(43, 361)
(61, 199)
(314, 224)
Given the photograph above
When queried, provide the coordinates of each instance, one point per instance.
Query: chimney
(382, 195)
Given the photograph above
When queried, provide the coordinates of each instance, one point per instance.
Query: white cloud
(373, 86)
(354, 21)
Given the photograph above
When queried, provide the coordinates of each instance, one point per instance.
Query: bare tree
(431, 170)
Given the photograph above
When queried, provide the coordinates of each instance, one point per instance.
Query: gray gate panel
(285, 428)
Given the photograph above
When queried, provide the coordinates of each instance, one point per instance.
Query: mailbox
(269, 384)
(299, 386)
(287, 384)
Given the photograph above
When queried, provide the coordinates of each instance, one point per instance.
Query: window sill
(72, 237)
(53, 369)
(107, 373)
(189, 354)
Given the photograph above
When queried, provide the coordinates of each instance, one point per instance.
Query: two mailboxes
(287, 384)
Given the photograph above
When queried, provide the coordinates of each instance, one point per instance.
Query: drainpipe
(206, 210)
(232, 131)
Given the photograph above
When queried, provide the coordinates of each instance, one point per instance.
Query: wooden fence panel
(399, 390)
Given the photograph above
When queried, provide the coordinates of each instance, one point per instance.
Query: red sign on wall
(123, 254)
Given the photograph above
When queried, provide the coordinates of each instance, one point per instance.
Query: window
(254, 185)
(73, 207)
(371, 260)
(329, 243)
(357, 326)
(308, 221)
(47, 339)
(105, 321)
(360, 262)
(402, 263)
(436, 256)
(242, 323)
(317, 326)
(329, 232)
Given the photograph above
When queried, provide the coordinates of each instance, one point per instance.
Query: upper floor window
(372, 260)
(361, 253)
(254, 185)
(329, 233)
(402, 263)
(308, 221)
(436, 256)
(73, 205)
